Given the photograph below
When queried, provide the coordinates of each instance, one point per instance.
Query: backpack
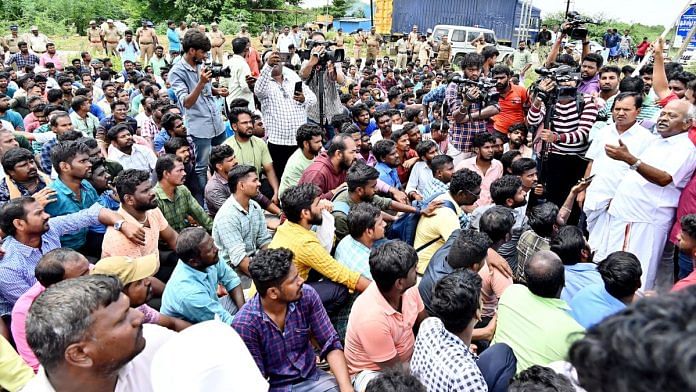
(404, 228)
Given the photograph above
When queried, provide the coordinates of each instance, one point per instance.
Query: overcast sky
(645, 11)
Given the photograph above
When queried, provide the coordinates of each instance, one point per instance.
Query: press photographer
(564, 117)
(323, 75)
(196, 97)
(470, 104)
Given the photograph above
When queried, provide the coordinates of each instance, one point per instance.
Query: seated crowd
(411, 239)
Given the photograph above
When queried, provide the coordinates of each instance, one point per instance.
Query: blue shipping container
(501, 16)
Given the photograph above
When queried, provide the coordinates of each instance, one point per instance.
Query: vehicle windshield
(437, 35)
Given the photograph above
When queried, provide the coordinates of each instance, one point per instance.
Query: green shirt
(297, 163)
(539, 330)
(184, 205)
(341, 219)
(254, 152)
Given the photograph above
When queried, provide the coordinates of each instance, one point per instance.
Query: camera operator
(468, 114)
(196, 97)
(563, 158)
(324, 81)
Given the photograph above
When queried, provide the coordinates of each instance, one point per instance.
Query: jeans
(203, 147)
(497, 365)
(325, 383)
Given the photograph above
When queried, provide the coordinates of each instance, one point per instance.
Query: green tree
(340, 8)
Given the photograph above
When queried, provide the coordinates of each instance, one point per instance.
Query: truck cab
(461, 36)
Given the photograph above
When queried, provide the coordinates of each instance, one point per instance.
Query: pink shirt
(493, 284)
(18, 326)
(494, 172)
(377, 332)
(56, 60)
(31, 123)
(686, 206)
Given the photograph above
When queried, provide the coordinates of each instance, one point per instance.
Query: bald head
(544, 274)
(675, 118)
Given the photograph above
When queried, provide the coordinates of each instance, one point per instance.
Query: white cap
(33, 28)
(109, 21)
(198, 359)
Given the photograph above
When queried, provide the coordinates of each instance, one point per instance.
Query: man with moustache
(22, 178)
(387, 161)
(309, 145)
(124, 150)
(512, 102)
(328, 171)
(484, 165)
(517, 140)
(181, 148)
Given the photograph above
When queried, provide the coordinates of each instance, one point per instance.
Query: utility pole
(372, 14)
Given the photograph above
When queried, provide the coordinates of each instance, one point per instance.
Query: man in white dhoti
(643, 208)
(608, 172)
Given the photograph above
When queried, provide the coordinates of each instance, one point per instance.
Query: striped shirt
(573, 128)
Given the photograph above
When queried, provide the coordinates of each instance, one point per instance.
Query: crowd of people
(289, 221)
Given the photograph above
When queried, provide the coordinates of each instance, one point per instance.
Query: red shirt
(690, 280)
(641, 48)
(511, 108)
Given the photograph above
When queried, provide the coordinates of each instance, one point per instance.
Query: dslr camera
(560, 74)
(489, 94)
(335, 56)
(577, 26)
(218, 70)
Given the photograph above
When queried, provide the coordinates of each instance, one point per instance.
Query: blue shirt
(160, 138)
(593, 304)
(204, 118)
(97, 111)
(173, 38)
(388, 175)
(191, 294)
(18, 264)
(106, 200)
(67, 203)
(371, 127)
(13, 118)
(354, 255)
(577, 277)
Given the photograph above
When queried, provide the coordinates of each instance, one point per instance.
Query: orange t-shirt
(116, 244)
(511, 108)
(377, 333)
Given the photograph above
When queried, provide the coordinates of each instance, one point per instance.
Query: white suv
(461, 36)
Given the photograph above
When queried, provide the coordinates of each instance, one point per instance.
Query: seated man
(191, 293)
(442, 359)
(532, 319)
(309, 138)
(442, 168)
(284, 303)
(362, 186)
(240, 229)
(55, 266)
(432, 232)
(139, 207)
(183, 149)
(15, 373)
(575, 253)
(483, 164)
(135, 275)
(73, 192)
(31, 233)
(303, 210)
(381, 323)
(22, 178)
(421, 173)
(175, 201)
(122, 149)
(366, 227)
(94, 338)
(172, 126)
(620, 273)
(542, 220)
(387, 162)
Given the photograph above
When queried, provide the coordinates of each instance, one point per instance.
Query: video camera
(577, 29)
(218, 70)
(560, 74)
(335, 56)
(489, 94)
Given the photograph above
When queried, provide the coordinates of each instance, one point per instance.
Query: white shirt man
(285, 40)
(237, 84)
(642, 211)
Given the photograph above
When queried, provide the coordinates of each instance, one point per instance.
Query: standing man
(173, 39)
(402, 46)
(642, 210)
(373, 41)
(95, 36)
(158, 61)
(217, 40)
(284, 41)
(127, 48)
(110, 37)
(358, 41)
(512, 102)
(444, 52)
(240, 83)
(37, 41)
(267, 38)
(196, 98)
(12, 41)
(146, 38)
(543, 41)
(589, 73)
(521, 60)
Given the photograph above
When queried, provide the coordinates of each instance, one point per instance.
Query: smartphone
(298, 87)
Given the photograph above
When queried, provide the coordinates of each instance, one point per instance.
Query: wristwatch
(118, 225)
(635, 165)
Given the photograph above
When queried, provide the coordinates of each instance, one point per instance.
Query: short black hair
(395, 379)
(128, 180)
(631, 84)
(469, 248)
(77, 102)
(637, 98)
(423, 147)
(568, 244)
(358, 109)
(383, 148)
(362, 217)
(471, 60)
(239, 45)
(620, 272)
(13, 209)
(688, 225)
(508, 158)
(464, 180)
(112, 133)
(66, 152)
(542, 219)
(218, 154)
(306, 132)
(501, 69)
(269, 268)
(497, 222)
(595, 58)
(173, 145)
(610, 68)
(168, 120)
(359, 175)
(54, 94)
(540, 379)
(391, 261)
(166, 163)
(338, 143)
(237, 174)
(15, 156)
(298, 198)
(522, 165)
(481, 139)
(489, 51)
(440, 161)
(505, 188)
(455, 299)
(194, 39)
